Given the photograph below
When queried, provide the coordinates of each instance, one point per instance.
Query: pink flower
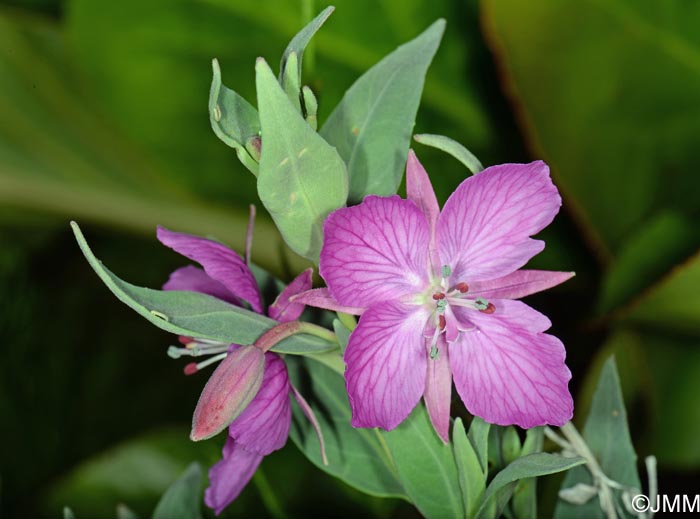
(251, 400)
(436, 292)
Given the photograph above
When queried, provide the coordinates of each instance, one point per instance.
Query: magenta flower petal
(509, 375)
(285, 310)
(219, 262)
(386, 364)
(229, 391)
(438, 391)
(194, 279)
(230, 475)
(375, 251)
(322, 298)
(516, 313)
(519, 284)
(264, 425)
(485, 227)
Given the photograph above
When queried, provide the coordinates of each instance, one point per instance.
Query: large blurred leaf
(197, 315)
(182, 499)
(614, 105)
(301, 178)
(607, 435)
(426, 466)
(372, 125)
(357, 456)
(136, 472)
(674, 303)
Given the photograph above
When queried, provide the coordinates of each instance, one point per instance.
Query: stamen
(490, 308)
(481, 304)
(442, 322)
(438, 296)
(434, 352)
(446, 271)
(462, 287)
(441, 305)
(184, 340)
(193, 368)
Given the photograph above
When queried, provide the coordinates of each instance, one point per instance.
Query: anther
(462, 287)
(174, 352)
(191, 368)
(490, 308)
(184, 340)
(438, 296)
(441, 305)
(481, 304)
(442, 322)
(446, 271)
(434, 352)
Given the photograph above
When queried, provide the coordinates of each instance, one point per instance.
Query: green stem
(269, 499)
(278, 333)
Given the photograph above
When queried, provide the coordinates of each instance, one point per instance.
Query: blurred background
(103, 119)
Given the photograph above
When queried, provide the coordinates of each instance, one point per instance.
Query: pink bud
(231, 387)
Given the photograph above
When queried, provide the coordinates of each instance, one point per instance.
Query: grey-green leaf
(451, 147)
(532, 465)
(301, 40)
(479, 438)
(372, 125)
(357, 456)
(196, 315)
(472, 476)
(607, 436)
(232, 118)
(182, 499)
(426, 466)
(301, 178)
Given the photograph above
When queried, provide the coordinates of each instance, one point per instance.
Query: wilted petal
(386, 364)
(518, 284)
(438, 391)
(219, 262)
(194, 279)
(283, 309)
(485, 227)
(508, 375)
(230, 475)
(264, 425)
(322, 298)
(375, 251)
(229, 390)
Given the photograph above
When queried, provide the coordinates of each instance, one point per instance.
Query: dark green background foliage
(103, 119)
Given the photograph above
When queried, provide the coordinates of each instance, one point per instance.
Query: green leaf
(301, 178)
(232, 118)
(674, 303)
(525, 494)
(68, 513)
(622, 141)
(137, 471)
(342, 333)
(426, 466)
(196, 315)
(124, 512)
(607, 435)
(472, 475)
(357, 456)
(372, 125)
(182, 499)
(291, 84)
(533, 465)
(479, 438)
(452, 147)
(660, 244)
(299, 43)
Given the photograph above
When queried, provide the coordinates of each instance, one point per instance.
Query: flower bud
(232, 386)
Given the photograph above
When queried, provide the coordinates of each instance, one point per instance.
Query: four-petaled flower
(436, 293)
(262, 426)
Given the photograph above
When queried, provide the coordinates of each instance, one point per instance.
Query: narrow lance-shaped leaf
(607, 436)
(372, 125)
(532, 465)
(182, 499)
(302, 178)
(196, 315)
(452, 147)
(299, 43)
(426, 466)
(233, 119)
(472, 476)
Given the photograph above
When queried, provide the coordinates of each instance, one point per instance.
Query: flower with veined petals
(436, 293)
(262, 425)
